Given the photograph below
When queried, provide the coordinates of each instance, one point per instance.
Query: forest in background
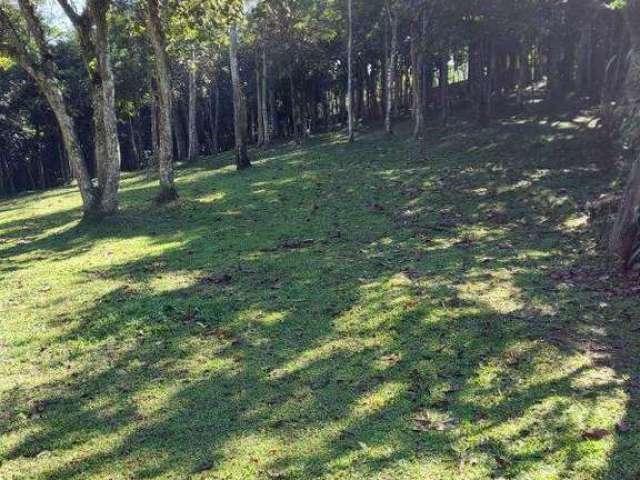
(133, 85)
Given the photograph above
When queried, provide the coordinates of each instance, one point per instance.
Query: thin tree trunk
(444, 90)
(165, 158)
(216, 117)
(11, 186)
(273, 112)
(154, 160)
(523, 76)
(391, 69)
(295, 112)
(239, 105)
(350, 72)
(134, 144)
(417, 67)
(194, 144)
(264, 97)
(259, 115)
(179, 133)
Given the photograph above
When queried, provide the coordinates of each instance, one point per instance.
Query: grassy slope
(421, 334)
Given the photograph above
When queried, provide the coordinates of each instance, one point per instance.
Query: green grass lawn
(337, 312)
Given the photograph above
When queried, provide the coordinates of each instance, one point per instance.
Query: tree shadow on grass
(415, 333)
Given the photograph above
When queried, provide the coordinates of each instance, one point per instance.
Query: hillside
(337, 311)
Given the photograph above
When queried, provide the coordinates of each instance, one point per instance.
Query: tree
(239, 104)
(92, 30)
(350, 70)
(163, 78)
(392, 13)
(36, 59)
(625, 229)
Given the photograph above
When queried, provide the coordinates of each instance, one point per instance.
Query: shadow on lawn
(336, 346)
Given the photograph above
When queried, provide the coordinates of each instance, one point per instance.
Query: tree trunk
(10, 183)
(391, 70)
(259, 115)
(350, 73)
(44, 74)
(179, 133)
(154, 160)
(444, 90)
(417, 67)
(165, 158)
(109, 174)
(625, 230)
(264, 96)
(216, 118)
(273, 112)
(295, 112)
(523, 76)
(194, 144)
(239, 104)
(134, 144)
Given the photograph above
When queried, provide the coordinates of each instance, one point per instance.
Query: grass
(337, 312)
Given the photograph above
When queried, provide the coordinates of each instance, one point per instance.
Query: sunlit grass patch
(338, 311)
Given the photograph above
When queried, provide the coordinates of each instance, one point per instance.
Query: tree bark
(239, 105)
(194, 144)
(45, 75)
(391, 68)
(417, 60)
(134, 144)
(259, 115)
(265, 94)
(109, 180)
(295, 112)
(216, 118)
(350, 72)
(154, 160)
(625, 229)
(444, 90)
(165, 147)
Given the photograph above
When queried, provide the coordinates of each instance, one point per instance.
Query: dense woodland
(143, 84)
(319, 239)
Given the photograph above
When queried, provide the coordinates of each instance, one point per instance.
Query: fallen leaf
(595, 434)
(222, 279)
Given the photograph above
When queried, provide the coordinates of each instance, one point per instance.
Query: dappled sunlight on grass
(338, 311)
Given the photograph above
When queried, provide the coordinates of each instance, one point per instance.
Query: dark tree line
(141, 84)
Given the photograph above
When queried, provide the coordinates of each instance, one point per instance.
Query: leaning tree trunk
(239, 105)
(44, 74)
(165, 147)
(625, 230)
(194, 144)
(52, 91)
